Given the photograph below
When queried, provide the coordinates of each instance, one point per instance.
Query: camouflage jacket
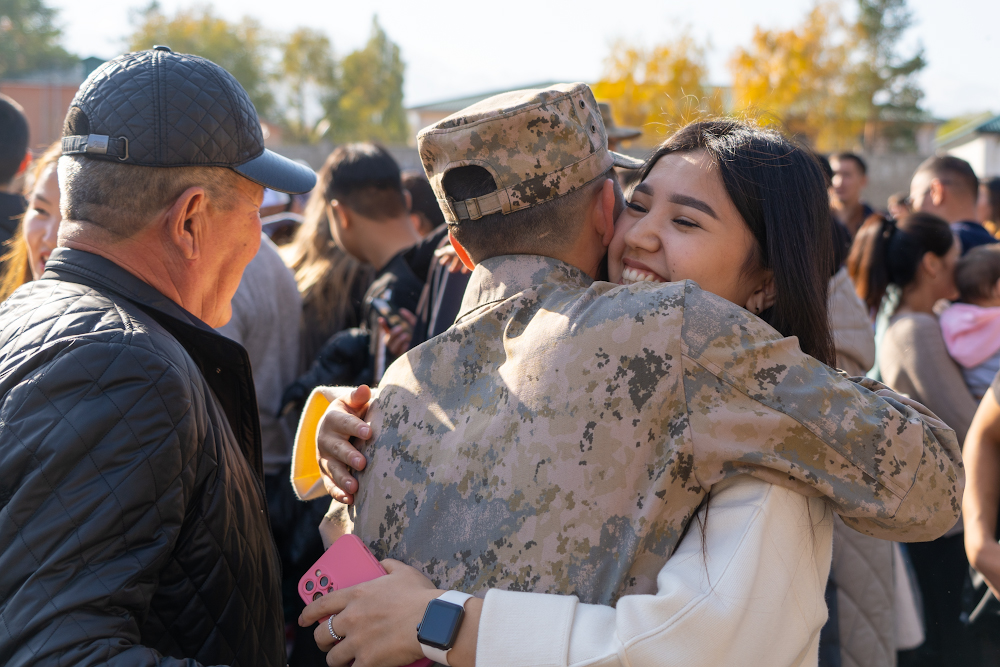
(561, 435)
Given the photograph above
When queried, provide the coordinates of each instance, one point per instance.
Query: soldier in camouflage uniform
(562, 434)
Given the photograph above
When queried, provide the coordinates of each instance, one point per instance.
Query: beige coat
(862, 565)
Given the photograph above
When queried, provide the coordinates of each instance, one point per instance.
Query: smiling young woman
(744, 213)
(27, 252)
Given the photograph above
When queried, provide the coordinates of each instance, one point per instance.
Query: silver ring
(329, 626)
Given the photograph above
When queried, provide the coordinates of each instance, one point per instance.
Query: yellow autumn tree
(657, 89)
(799, 79)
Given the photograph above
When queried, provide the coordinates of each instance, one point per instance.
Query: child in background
(971, 327)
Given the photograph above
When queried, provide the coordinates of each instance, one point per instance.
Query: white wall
(982, 152)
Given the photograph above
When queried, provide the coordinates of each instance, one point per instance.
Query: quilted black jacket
(133, 528)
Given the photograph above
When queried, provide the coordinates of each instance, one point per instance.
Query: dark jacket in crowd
(972, 234)
(348, 357)
(11, 209)
(133, 527)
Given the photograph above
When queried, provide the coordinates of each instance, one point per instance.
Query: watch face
(440, 624)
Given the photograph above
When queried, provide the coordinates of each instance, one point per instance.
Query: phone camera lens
(310, 585)
(317, 595)
(323, 582)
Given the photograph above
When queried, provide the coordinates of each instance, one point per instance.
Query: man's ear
(185, 222)
(604, 221)
(461, 252)
(340, 214)
(408, 198)
(763, 297)
(937, 192)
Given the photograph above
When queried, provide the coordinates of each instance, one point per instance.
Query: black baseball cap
(158, 108)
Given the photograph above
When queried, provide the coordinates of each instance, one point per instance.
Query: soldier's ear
(25, 163)
(461, 252)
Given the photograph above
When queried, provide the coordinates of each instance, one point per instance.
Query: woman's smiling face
(680, 224)
(41, 221)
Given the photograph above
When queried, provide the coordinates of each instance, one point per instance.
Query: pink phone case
(347, 562)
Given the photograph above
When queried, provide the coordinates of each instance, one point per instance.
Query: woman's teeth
(631, 276)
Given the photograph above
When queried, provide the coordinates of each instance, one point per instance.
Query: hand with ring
(375, 623)
(329, 626)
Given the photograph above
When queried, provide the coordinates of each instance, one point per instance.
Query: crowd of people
(727, 413)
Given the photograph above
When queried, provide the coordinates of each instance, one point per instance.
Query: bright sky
(457, 48)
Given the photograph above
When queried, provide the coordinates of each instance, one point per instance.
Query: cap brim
(278, 173)
(626, 162)
(623, 133)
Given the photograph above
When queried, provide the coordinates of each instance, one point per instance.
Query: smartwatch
(439, 627)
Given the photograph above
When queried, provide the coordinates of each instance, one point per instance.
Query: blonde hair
(17, 268)
(324, 272)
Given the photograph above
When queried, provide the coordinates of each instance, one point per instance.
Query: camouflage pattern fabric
(538, 144)
(561, 435)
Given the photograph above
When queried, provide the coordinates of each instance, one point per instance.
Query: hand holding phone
(390, 313)
(346, 563)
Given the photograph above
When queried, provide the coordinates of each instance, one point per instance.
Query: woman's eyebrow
(693, 202)
(644, 189)
(42, 198)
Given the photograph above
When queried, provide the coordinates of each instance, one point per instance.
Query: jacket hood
(971, 333)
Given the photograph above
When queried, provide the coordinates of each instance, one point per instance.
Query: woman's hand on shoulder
(343, 420)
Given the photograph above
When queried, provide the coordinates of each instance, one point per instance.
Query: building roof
(459, 103)
(967, 132)
(992, 126)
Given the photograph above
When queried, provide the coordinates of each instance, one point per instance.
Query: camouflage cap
(538, 144)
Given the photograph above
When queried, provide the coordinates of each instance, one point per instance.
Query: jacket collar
(80, 266)
(223, 363)
(499, 278)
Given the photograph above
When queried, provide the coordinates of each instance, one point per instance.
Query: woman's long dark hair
(780, 192)
(886, 252)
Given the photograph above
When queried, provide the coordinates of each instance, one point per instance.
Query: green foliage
(658, 89)
(369, 104)
(29, 39)
(884, 81)
(241, 48)
(361, 97)
(307, 69)
(837, 84)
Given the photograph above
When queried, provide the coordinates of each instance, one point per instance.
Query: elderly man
(133, 523)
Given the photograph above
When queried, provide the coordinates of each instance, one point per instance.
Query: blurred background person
(971, 327)
(946, 186)
(331, 282)
(988, 205)
(899, 205)
(37, 232)
(903, 268)
(850, 177)
(266, 318)
(369, 211)
(14, 160)
(861, 630)
(424, 210)
(281, 216)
